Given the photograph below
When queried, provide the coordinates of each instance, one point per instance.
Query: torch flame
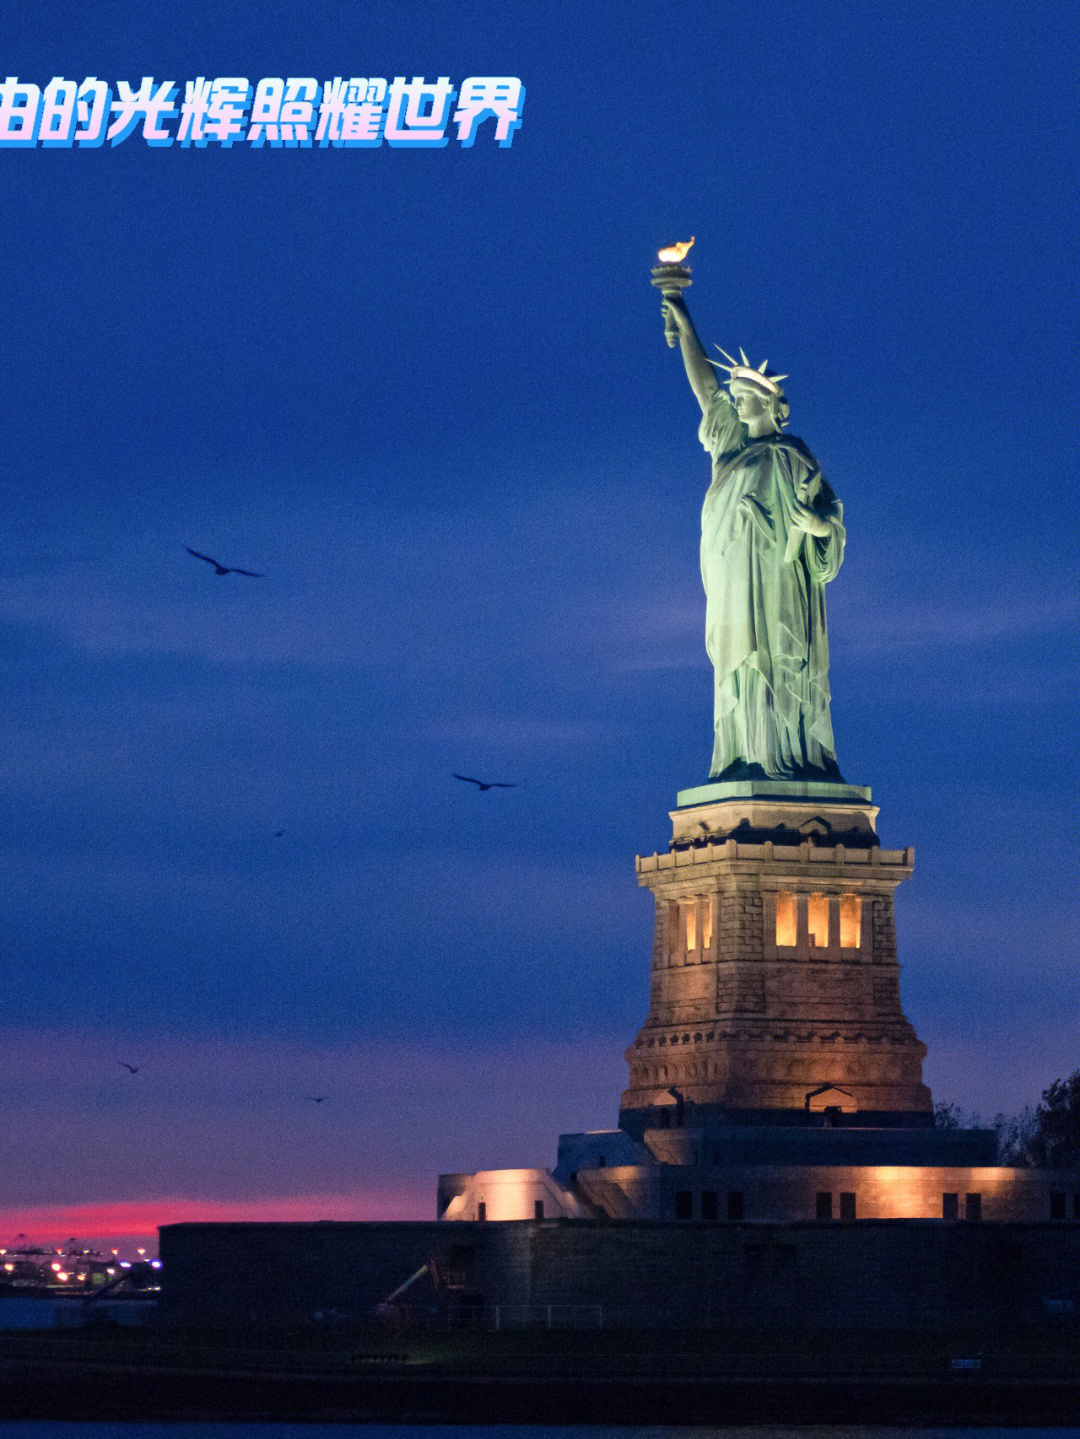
(675, 254)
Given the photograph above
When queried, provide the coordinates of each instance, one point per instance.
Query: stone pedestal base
(775, 983)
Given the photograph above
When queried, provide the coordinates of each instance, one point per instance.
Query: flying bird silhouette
(134, 1068)
(278, 834)
(315, 1098)
(484, 785)
(221, 569)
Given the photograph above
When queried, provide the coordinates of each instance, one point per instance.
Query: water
(50, 1430)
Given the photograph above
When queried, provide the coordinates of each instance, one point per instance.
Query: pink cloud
(126, 1224)
(224, 1129)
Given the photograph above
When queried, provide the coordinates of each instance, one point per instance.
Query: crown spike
(743, 372)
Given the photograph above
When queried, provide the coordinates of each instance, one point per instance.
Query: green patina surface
(765, 600)
(819, 790)
(772, 537)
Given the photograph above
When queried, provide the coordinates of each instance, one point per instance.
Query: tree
(1056, 1142)
(951, 1116)
(1016, 1138)
(1015, 1132)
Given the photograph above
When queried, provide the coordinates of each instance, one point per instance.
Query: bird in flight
(133, 1068)
(484, 785)
(220, 569)
(278, 834)
(315, 1098)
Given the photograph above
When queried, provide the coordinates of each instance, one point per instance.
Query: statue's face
(750, 404)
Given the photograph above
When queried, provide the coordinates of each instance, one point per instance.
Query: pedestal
(775, 990)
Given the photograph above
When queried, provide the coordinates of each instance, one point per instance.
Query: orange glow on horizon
(140, 1218)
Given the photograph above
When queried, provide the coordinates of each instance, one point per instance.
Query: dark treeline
(1047, 1136)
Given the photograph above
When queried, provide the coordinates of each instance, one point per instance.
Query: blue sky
(427, 395)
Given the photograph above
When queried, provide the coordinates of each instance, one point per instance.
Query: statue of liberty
(771, 539)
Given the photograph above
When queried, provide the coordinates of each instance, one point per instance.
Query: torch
(671, 277)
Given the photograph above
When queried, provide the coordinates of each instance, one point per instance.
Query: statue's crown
(748, 375)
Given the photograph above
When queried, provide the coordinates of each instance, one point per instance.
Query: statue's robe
(765, 602)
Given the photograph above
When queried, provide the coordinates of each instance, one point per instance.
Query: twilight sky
(427, 394)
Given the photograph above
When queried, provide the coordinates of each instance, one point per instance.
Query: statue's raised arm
(699, 371)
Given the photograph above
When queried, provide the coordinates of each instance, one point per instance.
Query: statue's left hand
(809, 521)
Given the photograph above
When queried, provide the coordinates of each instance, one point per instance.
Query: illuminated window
(706, 923)
(817, 919)
(850, 921)
(785, 920)
(689, 909)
